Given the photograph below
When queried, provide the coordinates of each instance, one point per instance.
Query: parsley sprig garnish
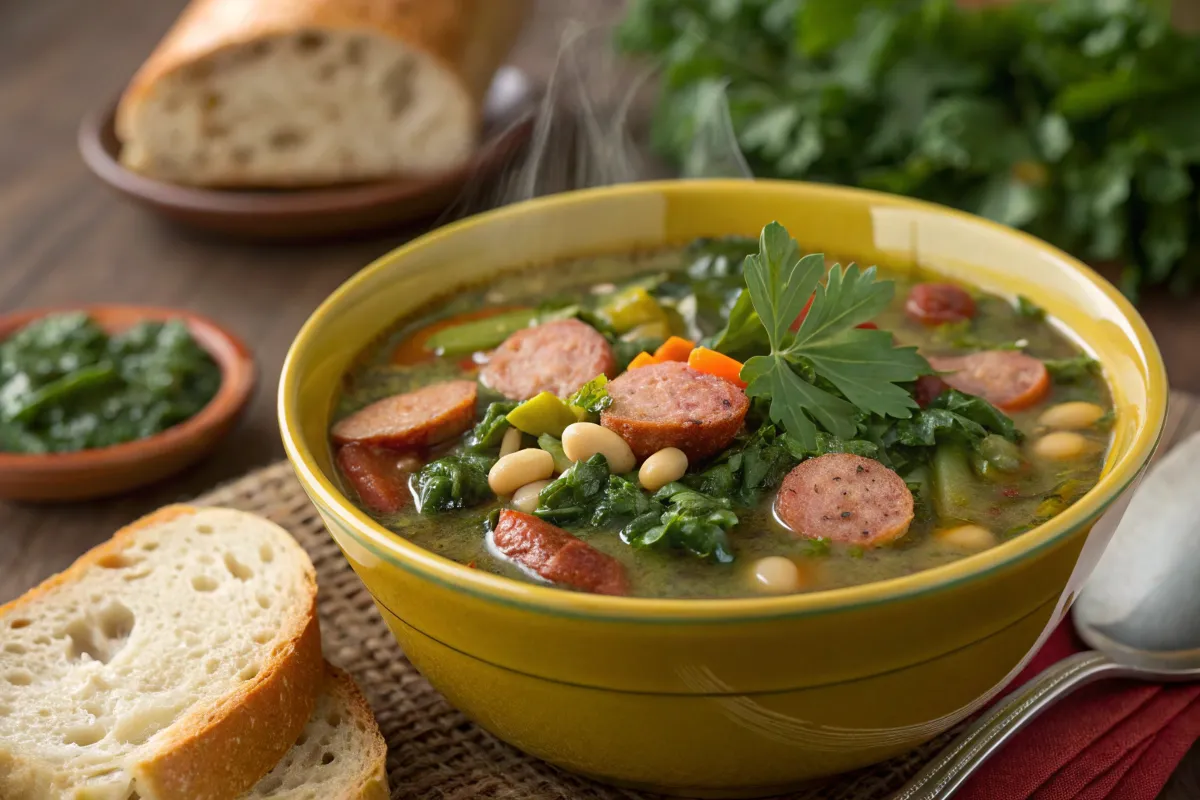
(829, 374)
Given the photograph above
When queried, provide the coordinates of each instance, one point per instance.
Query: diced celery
(677, 323)
(631, 307)
(649, 330)
(543, 413)
(996, 456)
(480, 334)
(954, 484)
(554, 447)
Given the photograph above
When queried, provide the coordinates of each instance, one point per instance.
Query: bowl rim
(232, 356)
(401, 553)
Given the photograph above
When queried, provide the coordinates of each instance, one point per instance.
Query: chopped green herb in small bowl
(95, 401)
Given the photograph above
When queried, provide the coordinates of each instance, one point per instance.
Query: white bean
(517, 469)
(776, 575)
(582, 440)
(668, 464)
(1061, 446)
(967, 537)
(511, 442)
(526, 498)
(1071, 416)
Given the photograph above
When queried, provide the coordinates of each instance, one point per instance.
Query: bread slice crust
(209, 753)
(341, 754)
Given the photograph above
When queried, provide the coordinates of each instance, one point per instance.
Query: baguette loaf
(177, 661)
(278, 93)
(340, 754)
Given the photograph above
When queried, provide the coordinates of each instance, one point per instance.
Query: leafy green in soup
(734, 418)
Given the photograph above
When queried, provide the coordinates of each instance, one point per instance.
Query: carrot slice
(710, 361)
(675, 348)
(642, 359)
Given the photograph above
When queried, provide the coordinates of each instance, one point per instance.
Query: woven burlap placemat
(434, 750)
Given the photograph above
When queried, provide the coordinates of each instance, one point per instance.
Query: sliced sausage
(673, 405)
(939, 303)
(379, 477)
(414, 419)
(557, 357)
(845, 498)
(927, 388)
(1007, 379)
(552, 553)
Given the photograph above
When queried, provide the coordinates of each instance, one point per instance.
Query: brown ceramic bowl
(89, 474)
(311, 213)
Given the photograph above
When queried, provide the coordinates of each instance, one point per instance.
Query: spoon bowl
(1141, 606)
(1140, 611)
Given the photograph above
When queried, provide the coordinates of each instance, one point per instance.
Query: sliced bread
(340, 754)
(177, 661)
(309, 92)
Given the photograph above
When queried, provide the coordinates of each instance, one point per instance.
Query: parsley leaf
(796, 403)
(865, 368)
(828, 373)
(849, 297)
(743, 330)
(780, 281)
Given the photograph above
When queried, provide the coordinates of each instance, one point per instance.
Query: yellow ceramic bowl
(723, 697)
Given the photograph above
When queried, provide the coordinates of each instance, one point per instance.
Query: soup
(728, 419)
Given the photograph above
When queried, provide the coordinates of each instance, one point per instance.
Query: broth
(1006, 507)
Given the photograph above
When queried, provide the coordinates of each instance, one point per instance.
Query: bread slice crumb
(189, 639)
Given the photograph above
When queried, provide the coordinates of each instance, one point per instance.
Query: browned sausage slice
(379, 477)
(927, 389)
(557, 556)
(557, 357)
(939, 303)
(845, 498)
(673, 405)
(1007, 379)
(414, 419)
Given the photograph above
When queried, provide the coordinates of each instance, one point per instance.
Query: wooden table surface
(64, 238)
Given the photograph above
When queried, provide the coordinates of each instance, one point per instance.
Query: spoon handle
(942, 777)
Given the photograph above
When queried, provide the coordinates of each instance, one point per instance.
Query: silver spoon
(1140, 611)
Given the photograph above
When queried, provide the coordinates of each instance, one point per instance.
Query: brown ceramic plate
(323, 212)
(89, 474)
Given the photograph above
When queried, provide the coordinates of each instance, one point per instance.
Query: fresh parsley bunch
(1077, 120)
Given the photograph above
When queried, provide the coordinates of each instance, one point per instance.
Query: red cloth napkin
(1113, 740)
